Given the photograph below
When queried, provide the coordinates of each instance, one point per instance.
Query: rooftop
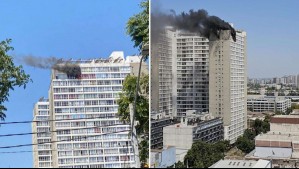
(241, 164)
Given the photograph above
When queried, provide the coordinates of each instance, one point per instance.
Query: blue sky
(66, 29)
(271, 26)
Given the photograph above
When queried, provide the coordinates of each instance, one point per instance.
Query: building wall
(192, 73)
(101, 140)
(183, 73)
(164, 158)
(85, 142)
(157, 131)
(183, 135)
(178, 137)
(228, 82)
(42, 155)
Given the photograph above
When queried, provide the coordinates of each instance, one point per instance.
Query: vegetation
(142, 109)
(138, 26)
(204, 155)
(246, 142)
(10, 75)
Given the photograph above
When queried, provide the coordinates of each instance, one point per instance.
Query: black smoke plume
(193, 22)
(71, 69)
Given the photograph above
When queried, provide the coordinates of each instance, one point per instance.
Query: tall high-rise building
(297, 82)
(191, 75)
(228, 82)
(163, 91)
(84, 114)
(183, 73)
(42, 154)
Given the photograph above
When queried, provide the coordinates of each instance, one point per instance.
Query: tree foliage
(142, 109)
(138, 26)
(11, 76)
(204, 155)
(142, 106)
(261, 126)
(245, 144)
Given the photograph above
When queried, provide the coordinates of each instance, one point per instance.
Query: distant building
(266, 104)
(242, 164)
(191, 129)
(163, 158)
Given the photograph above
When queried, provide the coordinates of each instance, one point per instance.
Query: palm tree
(2, 115)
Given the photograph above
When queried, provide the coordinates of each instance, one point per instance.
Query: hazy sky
(271, 26)
(68, 29)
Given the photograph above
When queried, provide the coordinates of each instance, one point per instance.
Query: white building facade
(272, 104)
(42, 154)
(84, 113)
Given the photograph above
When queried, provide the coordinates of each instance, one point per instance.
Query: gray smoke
(72, 70)
(193, 22)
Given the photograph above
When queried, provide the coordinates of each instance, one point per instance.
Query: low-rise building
(158, 122)
(194, 127)
(266, 103)
(280, 144)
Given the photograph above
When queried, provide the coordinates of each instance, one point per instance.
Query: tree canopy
(142, 109)
(138, 26)
(204, 155)
(11, 76)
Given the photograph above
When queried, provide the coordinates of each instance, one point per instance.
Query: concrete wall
(178, 137)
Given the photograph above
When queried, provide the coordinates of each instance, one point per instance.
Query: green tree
(138, 26)
(10, 75)
(142, 109)
(178, 165)
(261, 126)
(144, 150)
(249, 134)
(244, 144)
(204, 155)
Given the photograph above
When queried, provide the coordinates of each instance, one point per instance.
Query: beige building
(228, 82)
(194, 127)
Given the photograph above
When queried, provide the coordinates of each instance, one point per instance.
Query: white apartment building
(42, 154)
(228, 82)
(266, 104)
(183, 73)
(84, 109)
